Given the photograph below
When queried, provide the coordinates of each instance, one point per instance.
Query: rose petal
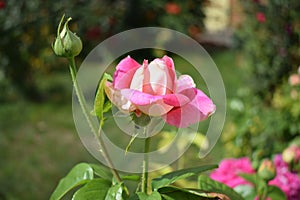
(190, 93)
(182, 117)
(184, 82)
(176, 100)
(169, 62)
(137, 82)
(200, 108)
(203, 103)
(149, 104)
(156, 109)
(117, 99)
(170, 69)
(157, 78)
(124, 73)
(138, 97)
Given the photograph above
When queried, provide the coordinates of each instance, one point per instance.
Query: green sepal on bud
(266, 170)
(67, 44)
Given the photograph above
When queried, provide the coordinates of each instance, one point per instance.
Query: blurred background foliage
(29, 27)
(266, 112)
(269, 39)
(38, 140)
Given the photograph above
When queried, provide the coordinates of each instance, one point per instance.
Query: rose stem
(82, 103)
(145, 164)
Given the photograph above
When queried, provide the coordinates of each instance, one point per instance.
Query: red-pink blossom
(2, 4)
(260, 17)
(229, 170)
(93, 33)
(172, 8)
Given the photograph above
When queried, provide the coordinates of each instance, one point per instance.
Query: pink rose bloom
(155, 90)
(287, 181)
(229, 169)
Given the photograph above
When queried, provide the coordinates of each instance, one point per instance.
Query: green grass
(38, 147)
(39, 144)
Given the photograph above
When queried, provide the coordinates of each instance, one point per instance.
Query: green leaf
(251, 178)
(101, 171)
(80, 174)
(174, 193)
(134, 197)
(182, 195)
(95, 189)
(259, 183)
(209, 185)
(246, 191)
(115, 192)
(152, 196)
(171, 177)
(276, 193)
(99, 105)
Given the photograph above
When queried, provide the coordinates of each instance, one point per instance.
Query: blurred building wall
(222, 14)
(217, 15)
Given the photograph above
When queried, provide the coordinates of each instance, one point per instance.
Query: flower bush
(237, 173)
(268, 107)
(268, 38)
(256, 121)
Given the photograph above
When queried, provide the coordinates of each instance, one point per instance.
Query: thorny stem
(96, 133)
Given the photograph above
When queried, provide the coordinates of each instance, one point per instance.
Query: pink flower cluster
(287, 181)
(229, 169)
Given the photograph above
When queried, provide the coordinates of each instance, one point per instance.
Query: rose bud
(291, 154)
(67, 44)
(267, 170)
